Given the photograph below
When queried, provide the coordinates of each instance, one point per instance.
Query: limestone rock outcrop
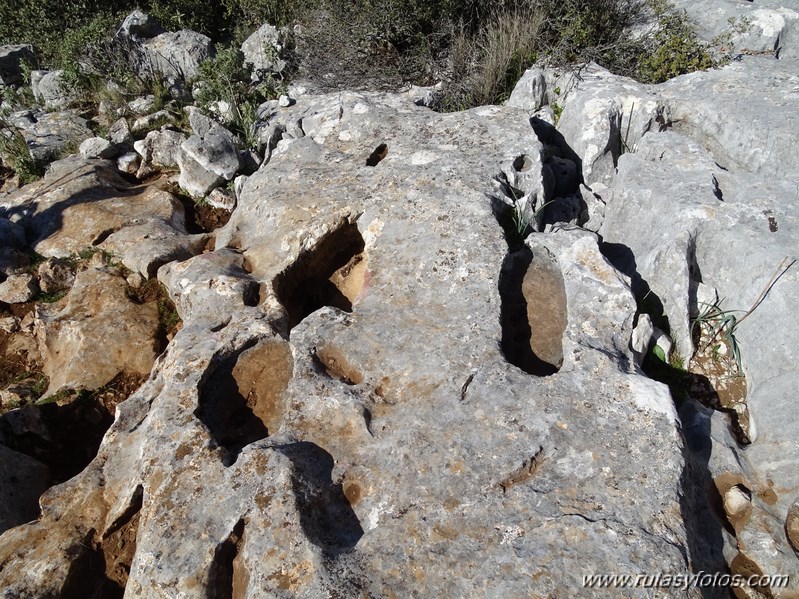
(411, 363)
(697, 180)
(353, 392)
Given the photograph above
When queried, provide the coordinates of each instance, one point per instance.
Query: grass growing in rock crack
(624, 145)
(15, 154)
(713, 324)
(50, 298)
(153, 290)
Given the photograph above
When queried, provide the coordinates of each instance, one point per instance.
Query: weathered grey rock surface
(386, 444)
(262, 50)
(697, 177)
(17, 289)
(97, 147)
(50, 134)
(177, 54)
(49, 89)
(765, 26)
(160, 148)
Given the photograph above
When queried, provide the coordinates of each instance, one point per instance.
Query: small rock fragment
(222, 198)
(55, 275)
(97, 147)
(18, 289)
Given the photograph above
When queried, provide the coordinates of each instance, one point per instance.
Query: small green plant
(51, 298)
(713, 324)
(37, 381)
(226, 79)
(720, 325)
(87, 253)
(524, 219)
(167, 314)
(15, 154)
(57, 397)
(676, 361)
(557, 110)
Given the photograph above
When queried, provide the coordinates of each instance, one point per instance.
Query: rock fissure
(331, 273)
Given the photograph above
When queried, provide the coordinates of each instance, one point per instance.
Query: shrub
(226, 78)
(15, 154)
(87, 53)
(479, 47)
(487, 65)
(673, 48)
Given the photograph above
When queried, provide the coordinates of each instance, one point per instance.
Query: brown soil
(209, 218)
(18, 366)
(13, 366)
(118, 546)
(725, 388)
(200, 218)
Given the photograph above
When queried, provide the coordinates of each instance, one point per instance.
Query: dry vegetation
(479, 48)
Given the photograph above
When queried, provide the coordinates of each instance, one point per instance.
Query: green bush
(674, 48)
(15, 155)
(226, 78)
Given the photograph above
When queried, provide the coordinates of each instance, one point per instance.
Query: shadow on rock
(700, 503)
(518, 342)
(325, 513)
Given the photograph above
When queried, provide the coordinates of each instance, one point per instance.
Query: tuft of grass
(15, 154)
(557, 110)
(226, 78)
(50, 298)
(58, 397)
(718, 324)
(167, 314)
(488, 64)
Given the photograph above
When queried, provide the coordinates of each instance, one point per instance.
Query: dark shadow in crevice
(700, 504)
(623, 259)
(87, 574)
(306, 286)
(555, 144)
(223, 579)
(379, 153)
(66, 437)
(516, 330)
(225, 412)
(326, 516)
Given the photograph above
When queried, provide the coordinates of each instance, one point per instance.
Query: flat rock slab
(98, 334)
(81, 202)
